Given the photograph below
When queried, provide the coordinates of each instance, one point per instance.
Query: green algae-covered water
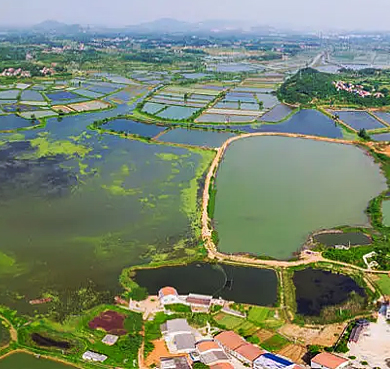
(21, 360)
(274, 191)
(78, 207)
(386, 212)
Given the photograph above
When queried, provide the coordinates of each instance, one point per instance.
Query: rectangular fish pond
(346, 239)
(359, 120)
(195, 137)
(233, 283)
(132, 127)
(177, 112)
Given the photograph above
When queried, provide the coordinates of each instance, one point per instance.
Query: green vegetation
(275, 343)
(384, 284)
(178, 308)
(309, 86)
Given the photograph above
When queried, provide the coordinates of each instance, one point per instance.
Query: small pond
(359, 120)
(25, 361)
(317, 289)
(240, 284)
(278, 113)
(349, 238)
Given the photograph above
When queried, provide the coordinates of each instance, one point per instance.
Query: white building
(178, 336)
(93, 356)
(169, 295)
(326, 360)
(110, 339)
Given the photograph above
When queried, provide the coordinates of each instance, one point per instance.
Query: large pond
(78, 207)
(274, 191)
(233, 283)
(25, 361)
(316, 289)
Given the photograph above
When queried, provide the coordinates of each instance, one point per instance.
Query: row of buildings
(15, 72)
(227, 348)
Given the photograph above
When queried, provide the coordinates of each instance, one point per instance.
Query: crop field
(110, 321)
(275, 343)
(229, 321)
(384, 284)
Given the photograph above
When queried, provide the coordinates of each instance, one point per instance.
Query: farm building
(93, 356)
(178, 362)
(271, 361)
(110, 339)
(199, 303)
(238, 347)
(169, 295)
(210, 353)
(326, 360)
(178, 335)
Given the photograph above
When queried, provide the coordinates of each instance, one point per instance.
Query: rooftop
(175, 326)
(271, 361)
(110, 339)
(328, 360)
(178, 362)
(222, 366)
(166, 291)
(230, 339)
(213, 357)
(250, 352)
(204, 346)
(184, 341)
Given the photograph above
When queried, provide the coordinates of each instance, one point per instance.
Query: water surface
(25, 361)
(274, 191)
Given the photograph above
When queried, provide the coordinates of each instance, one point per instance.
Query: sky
(298, 14)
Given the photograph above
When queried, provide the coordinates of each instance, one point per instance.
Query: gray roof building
(178, 362)
(185, 342)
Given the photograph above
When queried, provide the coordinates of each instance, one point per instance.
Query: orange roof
(250, 352)
(166, 291)
(230, 340)
(328, 360)
(222, 366)
(207, 345)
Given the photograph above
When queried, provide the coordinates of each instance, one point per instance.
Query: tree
(261, 105)
(199, 365)
(185, 97)
(364, 135)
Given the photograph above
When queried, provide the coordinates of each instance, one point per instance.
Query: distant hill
(52, 26)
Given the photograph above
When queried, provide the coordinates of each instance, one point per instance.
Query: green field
(275, 343)
(264, 317)
(229, 321)
(384, 284)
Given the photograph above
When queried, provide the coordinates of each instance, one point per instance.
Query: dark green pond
(316, 289)
(349, 238)
(233, 283)
(26, 361)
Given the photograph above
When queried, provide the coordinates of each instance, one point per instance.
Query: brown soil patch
(264, 334)
(321, 335)
(110, 321)
(160, 350)
(293, 352)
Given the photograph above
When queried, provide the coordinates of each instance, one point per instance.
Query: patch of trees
(309, 85)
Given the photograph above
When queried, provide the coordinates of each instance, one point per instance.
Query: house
(271, 361)
(93, 356)
(326, 360)
(178, 362)
(210, 353)
(248, 353)
(169, 295)
(178, 336)
(199, 303)
(229, 341)
(110, 339)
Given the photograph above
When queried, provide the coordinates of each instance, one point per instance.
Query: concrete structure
(93, 356)
(271, 361)
(169, 295)
(110, 339)
(326, 360)
(179, 336)
(178, 362)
